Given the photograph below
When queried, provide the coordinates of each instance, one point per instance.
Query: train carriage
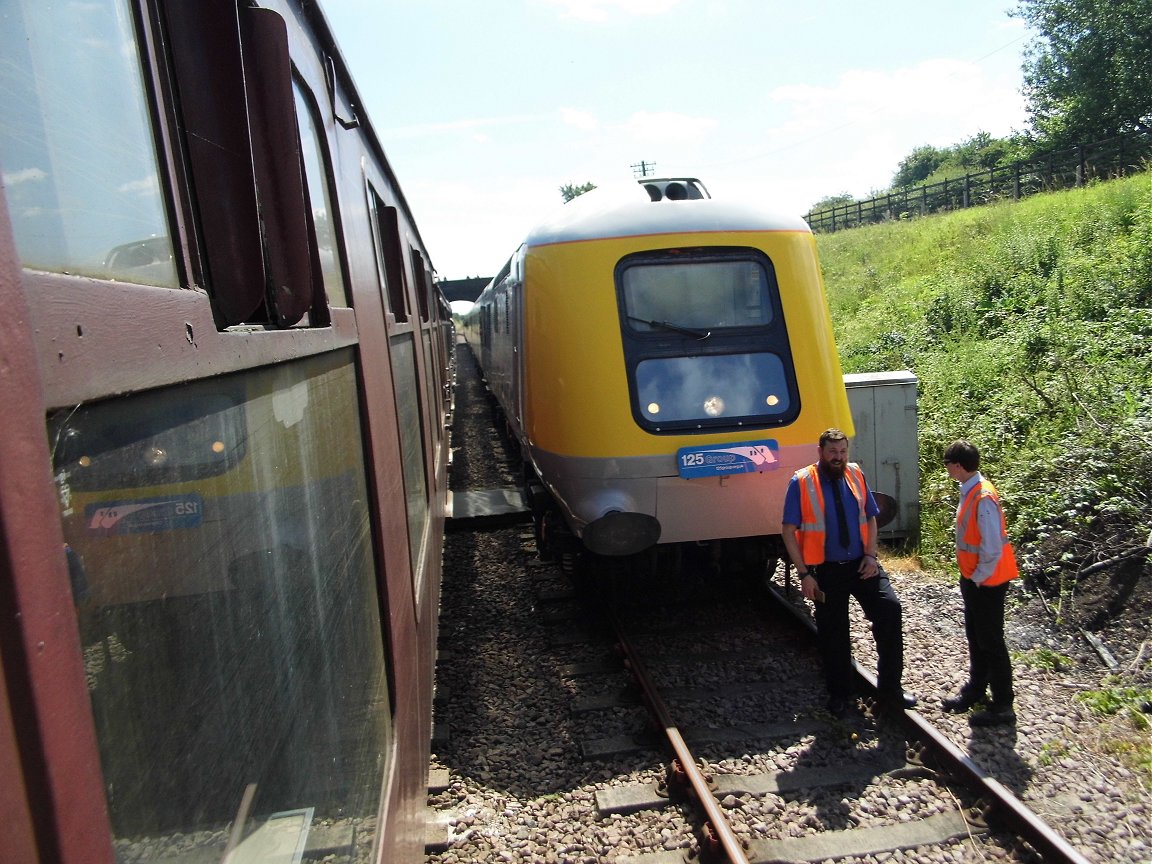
(223, 458)
(666, 361)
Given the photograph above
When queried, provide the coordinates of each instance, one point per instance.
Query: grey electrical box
(883, 406)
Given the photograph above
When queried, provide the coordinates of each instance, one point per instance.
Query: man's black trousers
(839, 581)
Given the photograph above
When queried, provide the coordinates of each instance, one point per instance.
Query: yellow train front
(666, 361)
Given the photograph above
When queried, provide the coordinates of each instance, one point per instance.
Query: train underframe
(753, 556)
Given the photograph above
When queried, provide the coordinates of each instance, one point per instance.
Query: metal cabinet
(883, 406)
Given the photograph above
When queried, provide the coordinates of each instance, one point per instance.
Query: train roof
(628, 210)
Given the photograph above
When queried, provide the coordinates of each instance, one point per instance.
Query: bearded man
(829, 530)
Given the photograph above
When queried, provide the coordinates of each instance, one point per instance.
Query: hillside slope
(1029, 326)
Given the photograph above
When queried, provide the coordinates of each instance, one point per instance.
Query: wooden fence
(1061, 169)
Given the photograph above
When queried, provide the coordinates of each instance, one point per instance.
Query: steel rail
(1053, 848)
(724, 835)
(1047, 841)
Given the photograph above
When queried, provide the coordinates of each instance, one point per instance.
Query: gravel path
(520, 791)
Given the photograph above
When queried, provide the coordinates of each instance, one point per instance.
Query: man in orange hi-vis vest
(829, 530)
(987, 565)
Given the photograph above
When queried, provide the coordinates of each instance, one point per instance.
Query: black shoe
(898, 700)
(961, 703)
(994, 715)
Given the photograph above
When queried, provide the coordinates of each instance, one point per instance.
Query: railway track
(718, 681)
(543, 736)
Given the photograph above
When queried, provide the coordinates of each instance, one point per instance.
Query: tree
(1088, 74)
(830, 201)
(918, 165)
(569, 192)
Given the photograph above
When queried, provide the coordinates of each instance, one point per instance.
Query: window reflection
(408, 415)
(228, 609)
(76, 148)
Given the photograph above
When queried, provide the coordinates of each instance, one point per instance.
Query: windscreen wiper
(676, 328)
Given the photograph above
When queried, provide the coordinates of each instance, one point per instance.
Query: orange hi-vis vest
(812, 531)
(968, 537)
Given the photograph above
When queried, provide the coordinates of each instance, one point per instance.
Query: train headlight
(772, 399)
(653, 408)
(713, 406)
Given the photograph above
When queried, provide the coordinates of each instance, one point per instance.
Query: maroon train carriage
(226, 377)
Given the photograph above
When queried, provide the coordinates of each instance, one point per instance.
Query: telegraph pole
(643, 169)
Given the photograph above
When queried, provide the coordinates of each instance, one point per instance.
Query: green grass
(1045, 658)
(1124, 734)
(1028, 325)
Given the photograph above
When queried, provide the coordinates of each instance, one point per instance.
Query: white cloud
(27, 175)
(588, 102)
(472, 226)
(583, 120)
(812, 142)
(666, 127)
(147, 187)
(935, 96)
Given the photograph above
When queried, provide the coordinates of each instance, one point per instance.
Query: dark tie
(841, 519)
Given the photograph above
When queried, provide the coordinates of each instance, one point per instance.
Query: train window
(241, 145)
(423, 284)
(704, 340)
(745, 388)
(700, 294)
(230, 618)
(316, 177)
(409, 410)
(80, 168)
(387, 225)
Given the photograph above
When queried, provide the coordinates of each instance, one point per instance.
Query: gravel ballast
(519, 789)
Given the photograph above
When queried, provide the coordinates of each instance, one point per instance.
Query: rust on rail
(721, 832)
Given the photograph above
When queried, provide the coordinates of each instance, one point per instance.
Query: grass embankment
(1029, 328)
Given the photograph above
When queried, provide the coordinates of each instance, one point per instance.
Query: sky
(486, 109)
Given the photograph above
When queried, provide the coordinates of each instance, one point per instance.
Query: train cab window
(81, 174)
(704, 340)
(700, 294)
(750, 387)
(320, 201)
(223, 574)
